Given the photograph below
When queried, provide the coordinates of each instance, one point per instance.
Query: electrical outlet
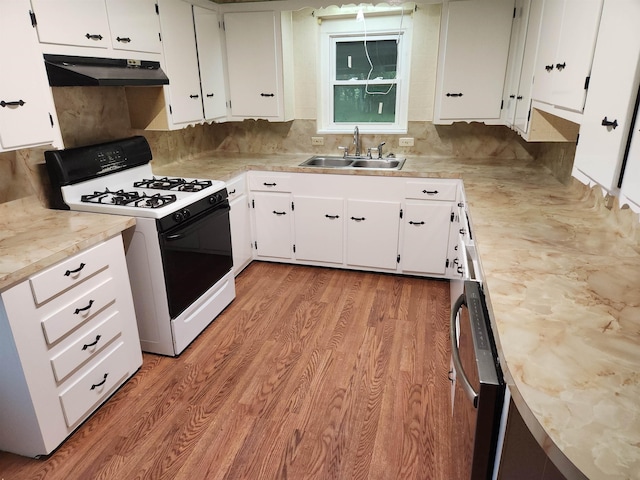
(317, 140)
(406, 142)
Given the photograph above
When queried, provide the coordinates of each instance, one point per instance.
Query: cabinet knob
(607, 123)
(123, 39)
(93, 36)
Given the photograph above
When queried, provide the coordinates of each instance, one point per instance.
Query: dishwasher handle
(455, 353)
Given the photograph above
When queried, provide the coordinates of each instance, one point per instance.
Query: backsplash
(96, 114)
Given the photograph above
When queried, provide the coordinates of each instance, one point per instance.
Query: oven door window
(196, 255)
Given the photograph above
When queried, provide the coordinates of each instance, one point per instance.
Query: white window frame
(377, 28)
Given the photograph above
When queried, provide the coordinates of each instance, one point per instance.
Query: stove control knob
(186, 213)
(178, 217)
(215, 198)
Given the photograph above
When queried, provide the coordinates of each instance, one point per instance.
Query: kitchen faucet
(356, 140)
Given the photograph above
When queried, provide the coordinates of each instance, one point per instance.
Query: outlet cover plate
(317, 140)
(406, 142)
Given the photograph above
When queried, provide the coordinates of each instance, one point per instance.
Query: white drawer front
(78, 311)
(431, 190)
(270, 182)
(68, 273)
(94, 385)
(88, 346)
(237, 187)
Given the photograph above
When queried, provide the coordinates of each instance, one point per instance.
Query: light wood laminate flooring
(309, 373)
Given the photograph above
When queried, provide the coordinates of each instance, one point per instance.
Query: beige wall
(424, 59)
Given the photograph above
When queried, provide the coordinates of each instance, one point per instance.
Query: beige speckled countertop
(33, 237)
(563, 276)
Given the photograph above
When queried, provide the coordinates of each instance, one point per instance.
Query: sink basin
(386, 164)
(328, 161)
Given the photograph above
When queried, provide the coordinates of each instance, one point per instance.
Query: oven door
(478, 391)
(196, 254)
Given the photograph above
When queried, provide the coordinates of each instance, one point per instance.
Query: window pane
(352, 104)
(352, 63)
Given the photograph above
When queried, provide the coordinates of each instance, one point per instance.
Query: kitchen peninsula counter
(563, 280)
(33, 237)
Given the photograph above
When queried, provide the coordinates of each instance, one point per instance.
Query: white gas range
(179, 255)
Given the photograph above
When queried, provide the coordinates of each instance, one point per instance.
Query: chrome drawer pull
(96, 385)
(87, 345)
(83, 309)
(69, 272)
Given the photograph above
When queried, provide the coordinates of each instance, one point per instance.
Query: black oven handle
(177, 236)
(455, 353)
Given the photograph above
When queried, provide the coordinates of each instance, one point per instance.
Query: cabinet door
(319, 228)
(372, 233)
(515, 60)
(612, 92)
(272, 219)
(240, 233)
(134, 26)
(574, 57)
(72, 22)
(181, 61)
(211, 65)
(426, 237)
(24, 88)
(547, 48)
(475, 59)
(253, 63)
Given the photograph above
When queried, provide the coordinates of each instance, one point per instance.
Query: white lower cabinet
(319, 229)
(378, 223)
(426, 227)
(372, 233)
(68, 340)
(273, 225)
(240, 224)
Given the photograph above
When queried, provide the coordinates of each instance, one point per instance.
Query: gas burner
(132, 199)
(176, 184)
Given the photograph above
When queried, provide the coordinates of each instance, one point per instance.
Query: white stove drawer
(95, 385)
(87, 346)
(78, 311)
(69, 273)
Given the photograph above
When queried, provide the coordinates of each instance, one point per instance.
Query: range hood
(69, 71)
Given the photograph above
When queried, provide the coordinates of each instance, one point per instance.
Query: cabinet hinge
(586, 82)
(401, 213)
(529, 115)
(255, 244)
(514, 12)
(157, 9)
(501, 104)
(223, 26)
(253, 203)
(292, 209)
(398, 259)
(577, 139)
(446, 263)
(170, 110)
(51, 119)
(453, 215)
(294, 248)
(33, 18)
(159, 36)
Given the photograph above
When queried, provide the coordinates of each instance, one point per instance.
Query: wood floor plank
(310, 373)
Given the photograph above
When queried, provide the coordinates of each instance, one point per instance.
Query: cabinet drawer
(94, 385)
(431, 190)
(87, 347)
(68, 273)
(78, 311)
(272, 182)
(237, 187)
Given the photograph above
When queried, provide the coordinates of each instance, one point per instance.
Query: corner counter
(562, 275)
(33, 237)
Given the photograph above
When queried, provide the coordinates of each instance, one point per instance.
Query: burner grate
(131, 199)
(176, 184)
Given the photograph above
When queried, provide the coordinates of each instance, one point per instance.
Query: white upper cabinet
(110, 25)
(26, 107)
(212, 75)
(608, 111)
(259, 62)
(81, 23)
(565, 52)
(180, 62)
(474, 48)
(134, 25)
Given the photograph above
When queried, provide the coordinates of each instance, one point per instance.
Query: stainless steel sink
(359, 162)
